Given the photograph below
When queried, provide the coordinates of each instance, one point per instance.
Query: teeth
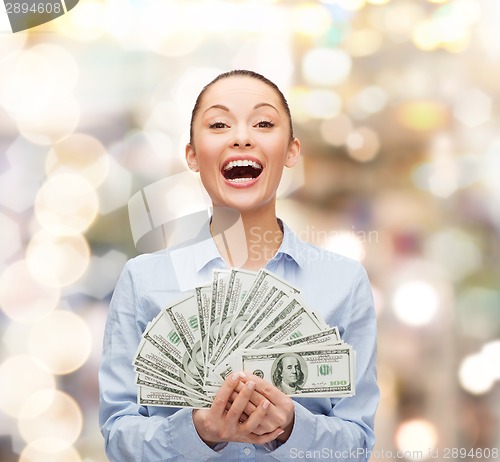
(242, 163)
(240, 180)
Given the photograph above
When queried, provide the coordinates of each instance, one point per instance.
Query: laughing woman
(241, 140)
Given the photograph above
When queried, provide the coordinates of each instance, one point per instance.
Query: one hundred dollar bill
(304, 371)
(184, 317)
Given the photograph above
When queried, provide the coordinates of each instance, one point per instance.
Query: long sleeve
(130, 432)
(329, 429)
(342, 429)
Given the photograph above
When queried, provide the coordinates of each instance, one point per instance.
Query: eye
(217, 125)
(265, 124)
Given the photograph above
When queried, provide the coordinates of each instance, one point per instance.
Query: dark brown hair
(240, 73)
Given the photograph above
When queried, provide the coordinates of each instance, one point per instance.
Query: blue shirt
(338, 429)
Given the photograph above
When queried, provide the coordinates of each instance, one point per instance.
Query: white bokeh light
(416, 438)
(21, 376)
(326, 66)
(62, 340)
(475, 374)
(415, 303)
(347, 244)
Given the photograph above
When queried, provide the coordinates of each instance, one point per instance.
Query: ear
(192, 158)
(293, 154)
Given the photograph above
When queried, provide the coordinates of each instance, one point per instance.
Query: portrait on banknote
(288, 373)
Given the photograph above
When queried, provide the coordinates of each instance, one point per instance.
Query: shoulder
(151, 270)
(148, 261)
(314, 259)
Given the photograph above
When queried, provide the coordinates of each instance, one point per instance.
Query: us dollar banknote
(240, 320)
(308, 370)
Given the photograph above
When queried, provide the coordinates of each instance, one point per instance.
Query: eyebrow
(225, 108)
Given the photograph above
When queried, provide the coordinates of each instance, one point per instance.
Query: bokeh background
(396, 103)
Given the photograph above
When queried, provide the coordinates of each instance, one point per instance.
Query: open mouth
(241, 171)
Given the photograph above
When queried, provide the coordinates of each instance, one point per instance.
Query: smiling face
(240, 143)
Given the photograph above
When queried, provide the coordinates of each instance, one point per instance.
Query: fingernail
(281, 432)
(266, 404)
(243, 375)
(235, 376)
(251, 385)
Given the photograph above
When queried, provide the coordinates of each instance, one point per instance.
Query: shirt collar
(290, 246)
(203, 250)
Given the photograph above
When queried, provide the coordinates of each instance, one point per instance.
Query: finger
(264, 388)
(250, 407)
(256, 397)
(240, 403)
(267, 438)
(256, 418)
(225, 391)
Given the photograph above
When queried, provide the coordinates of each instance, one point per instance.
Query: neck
(246, 239)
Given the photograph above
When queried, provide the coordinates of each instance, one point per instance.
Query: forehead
(237, 89)
(289, 360)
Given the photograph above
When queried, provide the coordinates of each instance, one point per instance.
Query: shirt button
(247, 451)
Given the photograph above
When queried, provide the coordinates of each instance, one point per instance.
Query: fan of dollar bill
(241, 321)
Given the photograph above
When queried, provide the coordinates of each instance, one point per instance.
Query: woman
(241, 139)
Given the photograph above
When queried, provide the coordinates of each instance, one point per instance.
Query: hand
(281, 412)
(225, 421)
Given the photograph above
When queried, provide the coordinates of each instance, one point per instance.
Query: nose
(242, 138)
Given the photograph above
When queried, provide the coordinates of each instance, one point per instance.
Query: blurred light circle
(455, 250)
(115, 192)
(27, 81)
(86, 23)
(336, 130)
(11, 238)
(62, 340)
(121, 16)
(415, 303)
(187, 88)
(49, 450)
(50, 123)
(21, 376)
(473, 107)
(57, 260)
(11, 43)
(347, 244)
(15, 338)
(64, 65)
(416, 437)
(311, 19)
(80, 153)
(363, 42)
(371, 99)
(157, 22)
(180, 43)
(22, 297)
(475, 374)
(66, 204)
(145, 153)
(321, 104)
(363, 144)
(426, 36)
(398, 19)
(423, 115)
(491, 353)
(326, 66)
(296, 103)
(50, 414)
(351, 5)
